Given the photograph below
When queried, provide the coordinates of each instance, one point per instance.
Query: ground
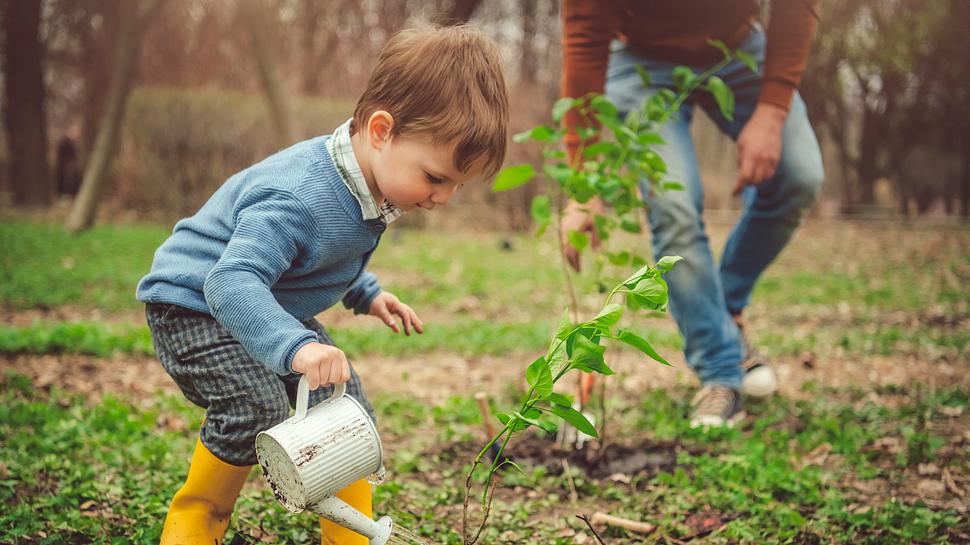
(867, 441)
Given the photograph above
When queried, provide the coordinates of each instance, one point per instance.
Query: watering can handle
(303, 396)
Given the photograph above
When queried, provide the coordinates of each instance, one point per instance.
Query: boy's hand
(386, 305)
(322, 364)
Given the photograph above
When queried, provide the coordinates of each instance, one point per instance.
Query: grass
(83, 471)
(824, 466)
(862, 292)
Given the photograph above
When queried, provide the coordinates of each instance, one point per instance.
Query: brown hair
(446, 83)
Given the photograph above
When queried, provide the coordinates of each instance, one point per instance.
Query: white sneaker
(759, 378)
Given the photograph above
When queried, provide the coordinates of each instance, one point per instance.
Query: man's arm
(786, 52)
(588, 26)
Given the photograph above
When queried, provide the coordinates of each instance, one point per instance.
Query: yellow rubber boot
(359, 496)
(201, 509)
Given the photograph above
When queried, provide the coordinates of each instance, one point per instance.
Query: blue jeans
(702, 297)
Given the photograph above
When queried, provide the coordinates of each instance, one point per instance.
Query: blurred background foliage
(217, 84)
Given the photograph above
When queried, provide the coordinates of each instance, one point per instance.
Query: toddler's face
(412, 172)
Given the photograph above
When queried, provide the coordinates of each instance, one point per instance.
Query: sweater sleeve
(271, 231)
(588, 27)
(786, 53)
(362, 293)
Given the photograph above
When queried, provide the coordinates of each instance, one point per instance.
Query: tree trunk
(965, 178)
(86, 204)
(868, 164)
(255, 16)
(24, 117)
(461, 11)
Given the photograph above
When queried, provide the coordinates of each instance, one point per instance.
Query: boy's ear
(380, 125)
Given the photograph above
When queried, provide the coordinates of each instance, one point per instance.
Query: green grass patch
(42, 266)
(76, 469)
(466, 337)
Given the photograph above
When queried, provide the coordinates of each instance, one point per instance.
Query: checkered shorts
(241, 396)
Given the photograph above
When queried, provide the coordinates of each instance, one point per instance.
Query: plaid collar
(342, 152)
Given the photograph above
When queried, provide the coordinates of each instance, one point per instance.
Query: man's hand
(386, 305)
(579, 217)
(322, 364)
(759, 146)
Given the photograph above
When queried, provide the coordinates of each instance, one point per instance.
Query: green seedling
(615, 153)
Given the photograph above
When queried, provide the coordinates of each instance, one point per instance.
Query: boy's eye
(433, 179)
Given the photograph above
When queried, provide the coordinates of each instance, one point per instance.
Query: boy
(232, 293)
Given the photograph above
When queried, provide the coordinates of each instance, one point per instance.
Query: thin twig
(585, 518)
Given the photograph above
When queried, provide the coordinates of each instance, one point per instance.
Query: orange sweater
(677, 31)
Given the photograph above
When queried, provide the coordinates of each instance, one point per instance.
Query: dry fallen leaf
(931, 488)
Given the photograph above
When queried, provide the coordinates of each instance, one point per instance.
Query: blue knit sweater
(278, 243)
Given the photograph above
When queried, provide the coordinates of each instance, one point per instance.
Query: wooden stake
(602, 519)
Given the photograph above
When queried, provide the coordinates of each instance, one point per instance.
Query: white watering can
(312, 455)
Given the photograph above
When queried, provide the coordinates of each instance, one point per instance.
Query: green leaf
(558, 171)
(629, 225)
(603, 225)
(667, 262)
(618, 258)
(723, 95)
(540, 133)
(651, 139)
(683, 78)
(575, 418)
(651, 292)
(609, 316)
(588, 356)
(720, 47)
(603, 105)
(644, 76)
(531, 420)
(565, 325)
(541, 212)
(598, 148)
(635, 278)
(748, 60)
(560, 399)
(513, 176)
(519, 425)
(560, 108)
(578, 240)
(540, 377)
(673, 185)
(641, 344)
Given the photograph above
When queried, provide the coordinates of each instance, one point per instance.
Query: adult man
(780, 166)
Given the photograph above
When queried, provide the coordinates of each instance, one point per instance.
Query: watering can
(312, 455)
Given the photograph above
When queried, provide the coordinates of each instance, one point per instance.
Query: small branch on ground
(585, 518)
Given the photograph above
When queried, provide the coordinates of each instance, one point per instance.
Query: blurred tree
(24, 115)
(257, 16)
(460, 11)
(885, 82)
(135, 16)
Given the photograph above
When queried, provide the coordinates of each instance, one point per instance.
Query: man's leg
(772, 209)
(696, 298)
(775, 207)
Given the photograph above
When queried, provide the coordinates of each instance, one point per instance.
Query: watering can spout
(337, 510)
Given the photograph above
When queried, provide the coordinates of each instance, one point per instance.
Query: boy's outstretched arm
(386, 305)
